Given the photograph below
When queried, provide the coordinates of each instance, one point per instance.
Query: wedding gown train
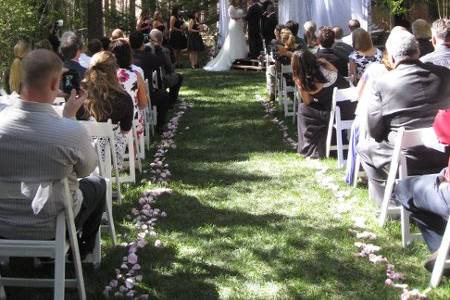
(235, 45)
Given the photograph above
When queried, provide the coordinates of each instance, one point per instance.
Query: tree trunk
(95, 19)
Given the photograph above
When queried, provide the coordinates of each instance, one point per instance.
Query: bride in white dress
(235, 46)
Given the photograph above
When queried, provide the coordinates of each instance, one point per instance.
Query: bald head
(338, 32)
(353, 24)
(41, 71)
(117, 34)
(156, 36)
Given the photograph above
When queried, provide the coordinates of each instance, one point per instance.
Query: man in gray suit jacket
(409, 96)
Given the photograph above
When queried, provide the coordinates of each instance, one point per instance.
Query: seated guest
(293, 27)
(151, 64)
(363, 55)
(95, 46)
(427, 198)
(341, 48)
(275, 44)
(105, 43)
(171, 78)
(420, 90)
(40, 148)
(132, 81)
(315, 80)
(310, 35)
(325, 51)
(352, 26)
(106, 99)
(372, 73)
(15, 73)
(71, 50)
(422, 31)
(117, 34)
(441, 42)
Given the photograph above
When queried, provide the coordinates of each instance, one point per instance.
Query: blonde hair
(288, 39)
(361, 40)
(421, 29)
(15, 74)
(102, 84)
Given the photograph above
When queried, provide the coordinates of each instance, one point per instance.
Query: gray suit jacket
(409, 96)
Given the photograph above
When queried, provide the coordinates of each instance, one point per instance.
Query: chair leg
(77, 261)
(97, 252)
(441, 259)
(356, 173)
(60, 261)
(2, 291)
(340, 146)
(406, 235)
(109, 212)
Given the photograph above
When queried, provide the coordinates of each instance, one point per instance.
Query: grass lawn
(247, 218)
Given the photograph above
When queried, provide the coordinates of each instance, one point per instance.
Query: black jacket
(253, 18)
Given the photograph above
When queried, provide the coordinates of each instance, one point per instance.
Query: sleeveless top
(128, 80)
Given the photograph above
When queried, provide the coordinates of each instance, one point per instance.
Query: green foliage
(19, 19)
(397, 7)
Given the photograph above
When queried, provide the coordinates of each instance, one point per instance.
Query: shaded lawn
(247, 219)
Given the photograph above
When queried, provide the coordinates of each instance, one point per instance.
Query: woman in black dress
(195, 41)
(177, 40)
(315, 80)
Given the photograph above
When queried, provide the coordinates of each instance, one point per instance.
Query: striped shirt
(38, 146)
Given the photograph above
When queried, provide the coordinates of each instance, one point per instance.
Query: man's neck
(37, 97)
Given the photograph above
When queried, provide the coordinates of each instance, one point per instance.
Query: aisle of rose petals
(366, 239)
(144, 216)
(271, 113)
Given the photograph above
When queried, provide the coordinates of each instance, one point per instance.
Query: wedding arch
(323, 12)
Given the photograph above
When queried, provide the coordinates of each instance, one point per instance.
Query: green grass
(247, 219)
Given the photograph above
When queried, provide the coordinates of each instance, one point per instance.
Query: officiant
(253, 18)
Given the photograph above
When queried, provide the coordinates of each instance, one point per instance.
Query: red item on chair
(441, 127)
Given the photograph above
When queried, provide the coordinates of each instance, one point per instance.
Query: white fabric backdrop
(223, 21)
(325, 12)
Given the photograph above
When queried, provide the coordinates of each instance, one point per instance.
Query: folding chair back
(56, 249)
(107, 165)
(405, 139)
(289, 106)
(336, 122)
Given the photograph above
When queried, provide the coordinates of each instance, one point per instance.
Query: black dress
(313, 118)
(195, 41)
(268, 24)
(177, 39)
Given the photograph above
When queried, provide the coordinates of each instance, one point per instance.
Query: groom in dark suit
(253, 18)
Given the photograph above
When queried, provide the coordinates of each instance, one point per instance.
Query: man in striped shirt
(39, 148)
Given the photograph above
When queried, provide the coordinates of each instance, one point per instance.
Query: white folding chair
(139, 146)
(442, 260)
(56, 249)
(338, 124)
(106, 165)
(405, 139)
(358, 164)
(289, 106)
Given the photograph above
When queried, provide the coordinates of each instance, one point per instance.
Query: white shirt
(84, 60)
(348, 39)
